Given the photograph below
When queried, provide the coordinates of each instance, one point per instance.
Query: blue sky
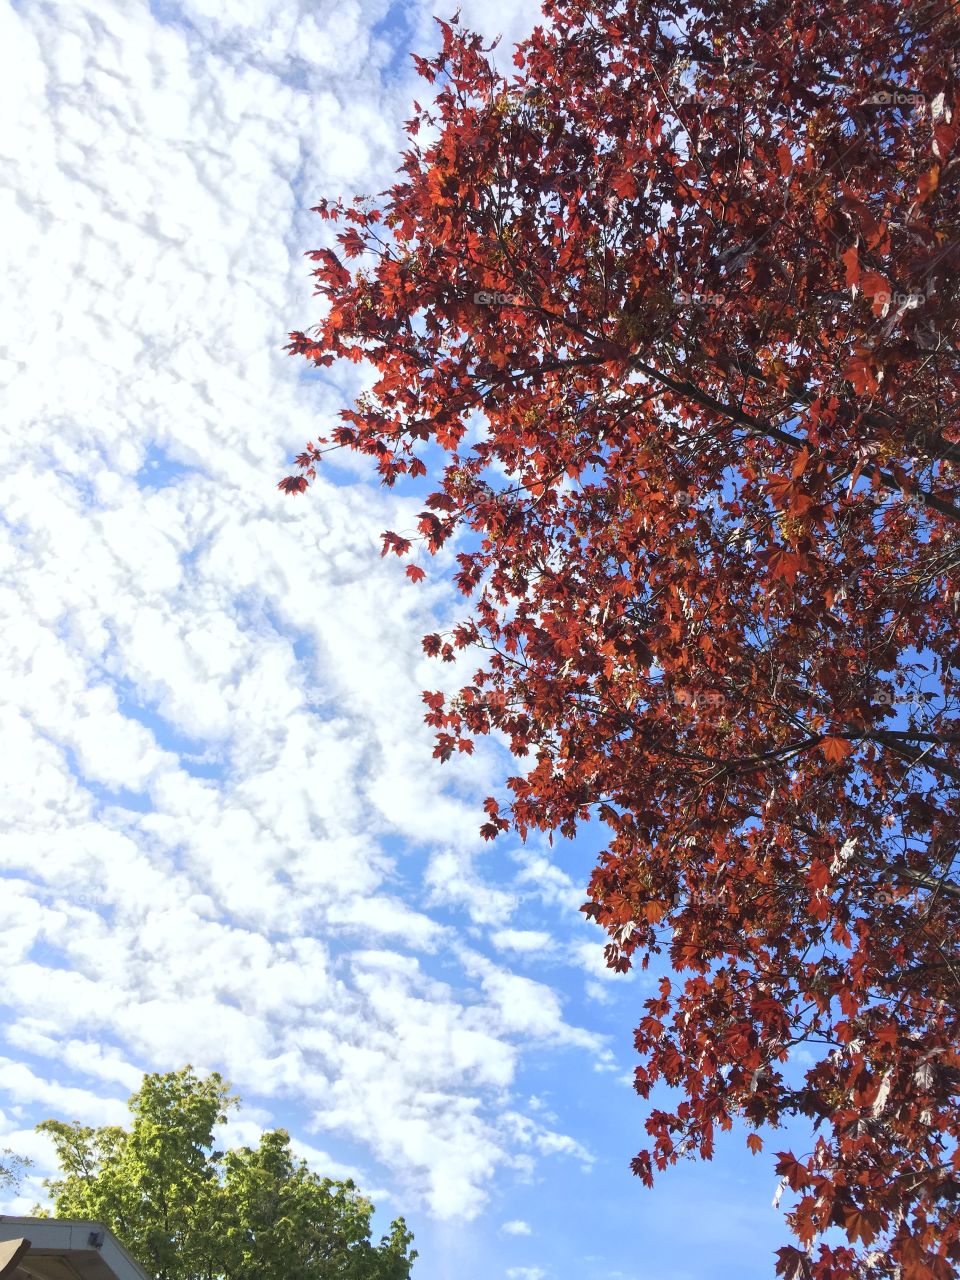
(225, 840)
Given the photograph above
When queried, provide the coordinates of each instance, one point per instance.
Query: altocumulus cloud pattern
(225, 841)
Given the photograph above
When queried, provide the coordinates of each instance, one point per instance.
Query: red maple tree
(672, 314)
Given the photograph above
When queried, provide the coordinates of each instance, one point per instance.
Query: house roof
(61, 1249)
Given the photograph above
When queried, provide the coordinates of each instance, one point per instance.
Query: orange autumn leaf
(861, 371)
(928, 183)
(835, 749)
(851, 262)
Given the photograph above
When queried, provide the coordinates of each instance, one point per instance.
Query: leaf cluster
(187, 1211)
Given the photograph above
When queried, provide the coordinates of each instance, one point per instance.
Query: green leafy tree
(190, 1212)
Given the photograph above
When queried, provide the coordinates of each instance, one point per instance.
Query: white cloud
(524, 940)
(590, 955)
(453, 881)
(526, 1273)
(533, 1134)
(227, 842)
(24, 1085)
(547, 882)
(516, 1227)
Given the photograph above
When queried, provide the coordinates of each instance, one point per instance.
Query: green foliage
(189, 1212)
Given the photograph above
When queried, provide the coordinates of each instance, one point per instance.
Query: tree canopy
(670, 317)
(189, 1212)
